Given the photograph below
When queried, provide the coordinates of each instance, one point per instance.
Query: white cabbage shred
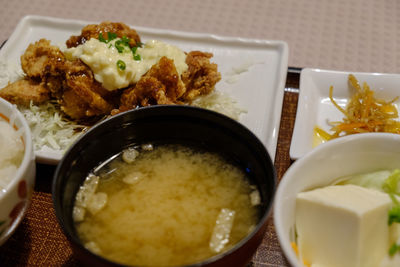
(220, 102)
(49, 128)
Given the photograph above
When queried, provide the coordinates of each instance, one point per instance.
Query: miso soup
(165, 205)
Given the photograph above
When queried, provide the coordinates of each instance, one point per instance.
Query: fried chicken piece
(160, 85)
(41, 58)
(201, 76)
(93, 31)
(55, 84)
(83, 97)
(24, 91)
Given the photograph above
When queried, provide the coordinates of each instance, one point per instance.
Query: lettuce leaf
(372, 180)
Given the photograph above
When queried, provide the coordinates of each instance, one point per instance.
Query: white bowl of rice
(17, 168)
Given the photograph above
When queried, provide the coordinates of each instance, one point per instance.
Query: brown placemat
(39, 240)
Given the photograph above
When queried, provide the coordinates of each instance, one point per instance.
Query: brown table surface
(39, 240)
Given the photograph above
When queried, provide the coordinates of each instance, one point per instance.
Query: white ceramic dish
(315, 108)
(253, 71)
(15, 200)
(344, 156)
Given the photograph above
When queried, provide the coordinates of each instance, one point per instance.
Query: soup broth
(163, 206)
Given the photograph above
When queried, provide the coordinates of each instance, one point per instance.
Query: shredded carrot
(4, 117)
(363, 113)
(295, 248)
(321, 133)
(306, 263)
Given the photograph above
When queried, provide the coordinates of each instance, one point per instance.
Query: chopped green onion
(111, 36)
(119, 45)
(101, 38)
(121, 65)
(136, 57)
(125, 39)
(134, 49)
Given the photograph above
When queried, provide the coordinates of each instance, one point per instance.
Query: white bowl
(344, 156)
(16, 198)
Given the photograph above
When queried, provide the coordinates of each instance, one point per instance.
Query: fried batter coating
(22, 92)
(201, 76)
(50, 75)
(160, 85)
(83, 96)
(93, 31)
(41, 58)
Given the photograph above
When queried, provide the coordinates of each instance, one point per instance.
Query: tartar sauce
(102, 59)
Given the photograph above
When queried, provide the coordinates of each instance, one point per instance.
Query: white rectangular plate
(260, 68)
(315, 108)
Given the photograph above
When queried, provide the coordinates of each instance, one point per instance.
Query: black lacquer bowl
(166, 124)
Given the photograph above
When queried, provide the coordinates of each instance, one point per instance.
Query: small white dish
(348, 155)
(15, 197)
(253, 71)
(315, 108)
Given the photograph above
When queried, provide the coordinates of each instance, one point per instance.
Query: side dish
(165, 205)
(11, 152)
(363, 113)
(354, 222)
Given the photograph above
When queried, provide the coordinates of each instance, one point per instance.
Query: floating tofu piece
(343, 225)
(222, 230)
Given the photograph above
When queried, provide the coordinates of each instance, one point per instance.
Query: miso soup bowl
(15, 196)
(165, 124)
(322, 166)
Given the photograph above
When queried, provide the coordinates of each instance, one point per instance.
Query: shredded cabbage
(49, 127)
(219, 102)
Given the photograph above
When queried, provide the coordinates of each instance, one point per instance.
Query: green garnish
(119, 45)
(139, 44)
(125, 39)
(136, 57)
(393, 249)
(391, 183)
(101, 38)
(394, 212)
(121, 65)
(390, 186)
(122, 43)
(110, 36)
(134, 49)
